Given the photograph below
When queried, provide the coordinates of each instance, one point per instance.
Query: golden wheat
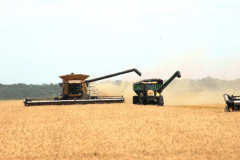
(118, 131)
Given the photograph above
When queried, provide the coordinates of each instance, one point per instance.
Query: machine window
(149, 87)
(74, 88)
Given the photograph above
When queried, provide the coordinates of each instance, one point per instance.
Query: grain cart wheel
(135, 100)
(160, 101)
(226, 108)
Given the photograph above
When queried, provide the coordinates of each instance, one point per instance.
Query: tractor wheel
(226, 108)
(140, 100)
(160, 101)
(145, 102)
(135, 100)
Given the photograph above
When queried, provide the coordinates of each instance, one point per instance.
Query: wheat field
(118, 131)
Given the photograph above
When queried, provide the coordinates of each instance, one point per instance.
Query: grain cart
(149, 90)
(233, 103)
(76, 90)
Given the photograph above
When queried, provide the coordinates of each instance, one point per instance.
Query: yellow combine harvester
(76, 90)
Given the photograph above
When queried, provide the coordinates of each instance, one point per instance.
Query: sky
(43, 39)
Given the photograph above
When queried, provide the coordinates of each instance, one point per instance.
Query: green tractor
(149, 90)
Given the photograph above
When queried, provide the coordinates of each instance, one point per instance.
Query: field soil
(118, 131)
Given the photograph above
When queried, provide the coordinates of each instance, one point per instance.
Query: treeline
(21, 91)
(180, 86)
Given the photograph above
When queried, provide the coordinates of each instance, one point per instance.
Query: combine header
(233, 103)
(76, 90)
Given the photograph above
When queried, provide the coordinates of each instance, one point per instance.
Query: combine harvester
(233, 103)
(76, 90)
(149, 90)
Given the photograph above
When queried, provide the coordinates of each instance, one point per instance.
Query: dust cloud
(178, 92)
(110, 88)
(191, 88)
(197, 92)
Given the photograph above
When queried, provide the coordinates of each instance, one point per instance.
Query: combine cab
(76, 90)
(233, 103)
(149, 91)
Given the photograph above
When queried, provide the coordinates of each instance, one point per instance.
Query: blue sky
(40, 40)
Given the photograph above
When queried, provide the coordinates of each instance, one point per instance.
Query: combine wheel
(56, 98)
(94, 97)
(228, 109)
